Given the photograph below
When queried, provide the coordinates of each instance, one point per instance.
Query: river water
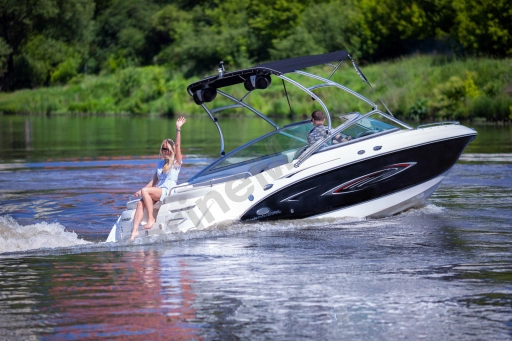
(439, 272)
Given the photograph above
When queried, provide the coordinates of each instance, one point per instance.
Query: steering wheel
(365, 133)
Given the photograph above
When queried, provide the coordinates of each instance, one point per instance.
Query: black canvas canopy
(299, 63)
(278, 67)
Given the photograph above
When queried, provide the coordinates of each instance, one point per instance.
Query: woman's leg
(137, 218)
(150, 195)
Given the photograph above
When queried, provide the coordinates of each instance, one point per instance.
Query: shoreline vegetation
(427, 60)
(417, 87)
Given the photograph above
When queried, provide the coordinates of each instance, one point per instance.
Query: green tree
(272, 20)
(201, 37)
(368, 29)
(122, 30)
(45, 60)
(392, 27)
(484, 26)
(327, 27)
(63, 22)
(5, 52)
(17, 22)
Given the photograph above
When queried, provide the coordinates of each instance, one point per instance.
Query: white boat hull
(386, 184)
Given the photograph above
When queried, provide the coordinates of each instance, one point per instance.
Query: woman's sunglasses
(165, 149)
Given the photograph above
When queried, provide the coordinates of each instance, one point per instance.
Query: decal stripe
(291, 198)
(370, 179)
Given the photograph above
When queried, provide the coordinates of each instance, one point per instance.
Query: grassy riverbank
(419, 87)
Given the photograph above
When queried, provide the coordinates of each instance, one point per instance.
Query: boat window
(369, 125)
(372, 124)
(285, 141)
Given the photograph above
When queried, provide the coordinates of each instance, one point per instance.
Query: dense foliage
(421, 87)
(50, 42)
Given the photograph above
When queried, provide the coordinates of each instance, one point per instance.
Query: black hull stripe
(432, 160)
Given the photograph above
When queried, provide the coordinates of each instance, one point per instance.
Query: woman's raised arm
(179, 123)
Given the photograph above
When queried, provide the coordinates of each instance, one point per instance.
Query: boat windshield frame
(319, 146)
(211, 168)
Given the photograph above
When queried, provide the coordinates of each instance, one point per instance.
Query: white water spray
(15, 237)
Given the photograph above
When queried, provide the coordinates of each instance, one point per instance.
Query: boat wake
(488, 157)
(235, 227)
(427, 209)
(18, 238)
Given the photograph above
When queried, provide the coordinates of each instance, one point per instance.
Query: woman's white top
(168, 180)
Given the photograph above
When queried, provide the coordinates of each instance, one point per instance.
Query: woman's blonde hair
(169, 160)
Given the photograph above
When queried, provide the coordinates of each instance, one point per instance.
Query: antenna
(221, 70)
(289, 105)
(360, 73)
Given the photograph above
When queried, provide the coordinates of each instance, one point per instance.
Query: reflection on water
(134, 296)
(37, 138)
(422, 274)
(100, 295)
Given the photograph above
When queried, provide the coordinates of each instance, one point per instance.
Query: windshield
(288, 142)
(366, 126)
(285, 141)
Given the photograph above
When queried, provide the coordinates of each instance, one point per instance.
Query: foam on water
(15, 237)
(427, 209)
(488, 157)
(19, 238)
(234, 227)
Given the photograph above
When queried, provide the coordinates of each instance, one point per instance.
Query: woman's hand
(137, 194)
(180, 121)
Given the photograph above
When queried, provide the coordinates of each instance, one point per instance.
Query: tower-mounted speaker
(257, 82)
(204, 95)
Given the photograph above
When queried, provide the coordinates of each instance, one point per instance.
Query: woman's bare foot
(149, 224)
(134, 234)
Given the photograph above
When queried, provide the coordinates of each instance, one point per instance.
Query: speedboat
(382, 167)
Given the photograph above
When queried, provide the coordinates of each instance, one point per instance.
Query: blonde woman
(165, 178)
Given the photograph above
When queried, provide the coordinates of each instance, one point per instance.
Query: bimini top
(278, 67)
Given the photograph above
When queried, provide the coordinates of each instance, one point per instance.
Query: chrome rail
(216, 121)
(313, 148)
(331, 83)
(232, 106)
(335, 69)
(438, 124)
(303, 88)
(247, 106)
